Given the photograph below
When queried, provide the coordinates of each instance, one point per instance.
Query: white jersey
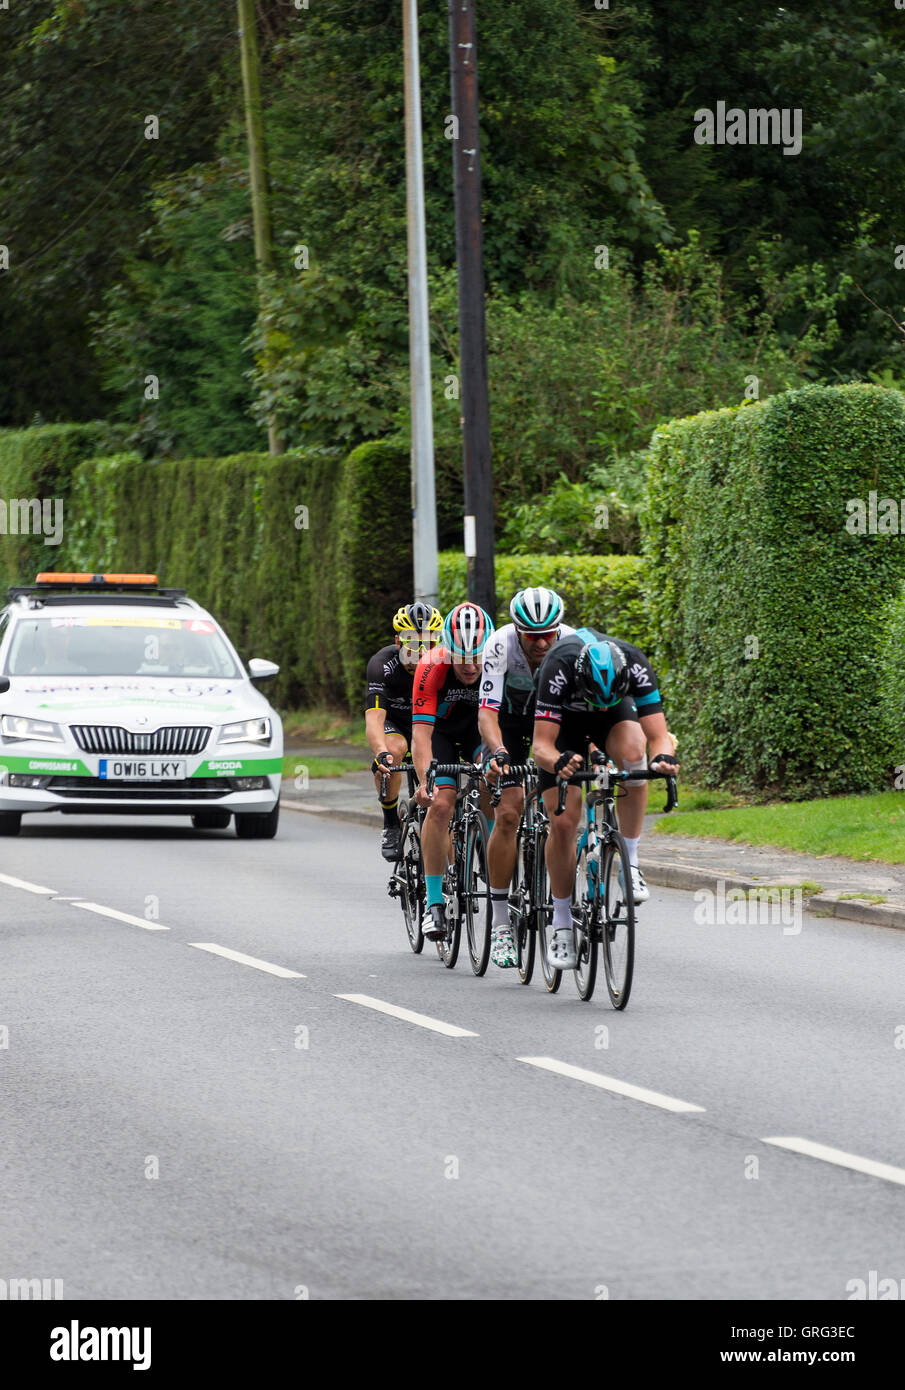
(507, 683)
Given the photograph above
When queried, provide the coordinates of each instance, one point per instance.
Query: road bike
(531, 907)
(407, 879)
(602, 899)
(466, 882)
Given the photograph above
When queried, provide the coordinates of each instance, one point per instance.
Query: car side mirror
(4, 684)
(260, 670)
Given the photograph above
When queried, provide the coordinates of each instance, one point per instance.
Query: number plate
(141, 769)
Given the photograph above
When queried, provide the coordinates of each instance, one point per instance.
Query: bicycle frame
(461, 899)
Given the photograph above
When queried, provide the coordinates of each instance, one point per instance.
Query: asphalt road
(181, 1124)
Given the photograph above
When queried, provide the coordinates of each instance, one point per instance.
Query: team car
(118, 696)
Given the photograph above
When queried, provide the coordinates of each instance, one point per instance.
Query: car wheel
(211, 820)
(260, 827)
(10, 822)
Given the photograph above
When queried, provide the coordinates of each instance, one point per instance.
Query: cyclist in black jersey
(388, 708)
(594, 692)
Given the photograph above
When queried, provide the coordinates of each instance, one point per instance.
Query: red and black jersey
(439, 697)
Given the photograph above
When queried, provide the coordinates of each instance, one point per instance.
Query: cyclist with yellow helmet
(388, 704)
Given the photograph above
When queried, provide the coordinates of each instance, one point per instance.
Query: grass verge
(856, 827)
(293, 766)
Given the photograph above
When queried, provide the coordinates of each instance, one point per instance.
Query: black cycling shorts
(396, 723)
(516, 735)
(453, 746)
(578, 730)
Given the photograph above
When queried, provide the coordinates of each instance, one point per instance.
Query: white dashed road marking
(408, 1016)
(253, 961)
(609, 1083)
(121, 916)
(870, 1166)
(28, 887)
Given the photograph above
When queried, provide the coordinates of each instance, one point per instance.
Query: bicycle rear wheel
(525, 926)
(618, 922)
(477, 894)
(411, 883)
(587, 907)
(543, 910)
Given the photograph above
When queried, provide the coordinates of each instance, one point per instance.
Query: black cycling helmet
(602, 676)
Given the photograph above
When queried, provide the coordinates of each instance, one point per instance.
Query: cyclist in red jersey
(445, 727)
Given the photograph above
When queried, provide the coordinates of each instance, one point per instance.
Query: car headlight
(19, 726)
(246, 731)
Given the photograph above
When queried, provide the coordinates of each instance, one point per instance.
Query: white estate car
(120, 697)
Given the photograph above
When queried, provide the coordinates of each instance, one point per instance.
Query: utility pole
(463, 62)
(424, 508)
(257, 163)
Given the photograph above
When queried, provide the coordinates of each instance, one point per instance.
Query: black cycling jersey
(555, 681)
(389, 684)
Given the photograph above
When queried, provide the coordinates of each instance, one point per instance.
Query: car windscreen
(98, 645)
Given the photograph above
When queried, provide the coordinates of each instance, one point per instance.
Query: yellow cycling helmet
(417, 617)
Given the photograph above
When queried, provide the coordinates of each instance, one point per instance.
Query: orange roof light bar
(51, 577)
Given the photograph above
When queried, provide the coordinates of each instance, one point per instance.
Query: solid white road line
(844, 1160)
(408, 1016)
(253, 961)
(609, 1083)
(121, 916)
(29, 887)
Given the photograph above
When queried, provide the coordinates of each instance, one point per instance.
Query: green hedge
(605, 591)
(892, 677)
(766, 610)
(289, 585)
(38, 463)
(373, 558)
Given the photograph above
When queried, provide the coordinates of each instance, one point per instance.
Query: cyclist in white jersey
(506, 725)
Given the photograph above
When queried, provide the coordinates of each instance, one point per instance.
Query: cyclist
(445, 727)
(388, 712)
(599, 693)
(506, 724)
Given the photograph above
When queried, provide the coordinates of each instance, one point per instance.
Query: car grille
(106, 789)
(107, 738)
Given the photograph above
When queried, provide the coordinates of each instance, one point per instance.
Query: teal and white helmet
(536, 610)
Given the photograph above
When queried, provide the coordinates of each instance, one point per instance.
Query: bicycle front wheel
(543, 910)
(618, 922)
(477, 894)
(411, 883)
(587, 909)
(525, 924)
(448, 948)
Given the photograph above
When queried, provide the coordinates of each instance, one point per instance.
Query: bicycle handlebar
(435, 769)
(387, 772)
(605, 776)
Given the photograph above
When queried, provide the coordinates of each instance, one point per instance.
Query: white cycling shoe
(561, 953)
(640, 890)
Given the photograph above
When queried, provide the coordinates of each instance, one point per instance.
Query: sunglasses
(540, 636)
